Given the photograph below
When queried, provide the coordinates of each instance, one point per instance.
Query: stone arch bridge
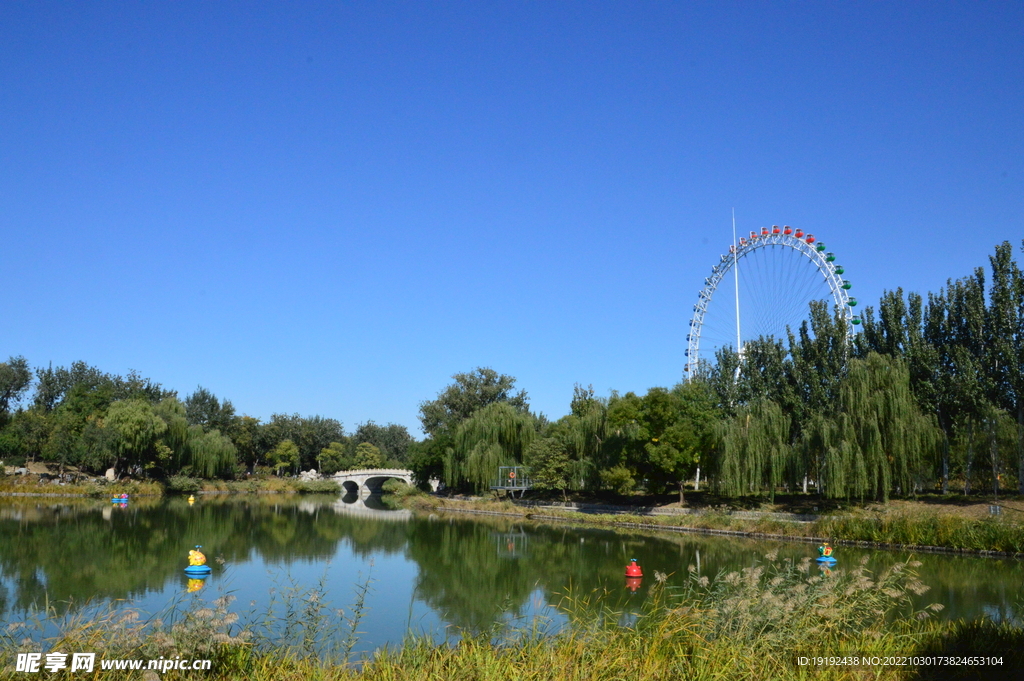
(371, 480)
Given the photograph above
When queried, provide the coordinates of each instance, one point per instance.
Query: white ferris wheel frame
(747, 246)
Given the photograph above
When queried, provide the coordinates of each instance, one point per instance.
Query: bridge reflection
(369, 506)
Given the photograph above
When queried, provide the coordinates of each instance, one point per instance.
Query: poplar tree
(1003, 341)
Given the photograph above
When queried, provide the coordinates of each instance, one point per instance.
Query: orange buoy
(633, 570)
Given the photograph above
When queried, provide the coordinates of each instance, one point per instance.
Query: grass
(927, 529)
(751, 624)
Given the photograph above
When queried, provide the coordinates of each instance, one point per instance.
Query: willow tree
(210, 454)
(834, 459)
(173, 454)
(495, 435)
(881, 425)
(583, 433)
(752, 452)
(137, 429)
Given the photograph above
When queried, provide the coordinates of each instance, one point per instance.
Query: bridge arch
(371, 480)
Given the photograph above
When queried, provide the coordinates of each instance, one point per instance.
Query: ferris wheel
(775, 274)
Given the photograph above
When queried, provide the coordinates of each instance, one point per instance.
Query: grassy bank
(10, 485)
(16, 485)
(753, 624)
(907, 526)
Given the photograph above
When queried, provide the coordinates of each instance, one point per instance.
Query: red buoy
(633, 583)
(633, 570)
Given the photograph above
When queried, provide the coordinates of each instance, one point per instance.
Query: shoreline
(575, 516)
(865, 530)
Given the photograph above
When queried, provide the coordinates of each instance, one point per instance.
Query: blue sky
(331, 208)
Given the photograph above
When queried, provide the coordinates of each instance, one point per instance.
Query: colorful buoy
(197, 563)
(825, 554)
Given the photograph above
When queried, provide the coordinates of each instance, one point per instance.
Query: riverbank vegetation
(911, 526)
(756, 623)
(927, 398)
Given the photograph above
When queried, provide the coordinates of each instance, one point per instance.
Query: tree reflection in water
(471, 571)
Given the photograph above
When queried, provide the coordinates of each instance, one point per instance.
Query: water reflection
(432, 570)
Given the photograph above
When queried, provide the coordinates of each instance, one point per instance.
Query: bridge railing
(373, 471)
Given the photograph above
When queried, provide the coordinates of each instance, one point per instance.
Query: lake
(430, 573)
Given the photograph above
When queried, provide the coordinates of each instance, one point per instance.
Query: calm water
(429, 573)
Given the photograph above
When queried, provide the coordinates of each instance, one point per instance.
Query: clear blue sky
(331, 208)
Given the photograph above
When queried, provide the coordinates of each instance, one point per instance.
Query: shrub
(318, 486)
(400, 488)
(619, 479)
(182, 484)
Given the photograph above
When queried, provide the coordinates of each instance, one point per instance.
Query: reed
(750, 624)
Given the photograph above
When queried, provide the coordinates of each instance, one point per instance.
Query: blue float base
(198, 570)
(826, 559)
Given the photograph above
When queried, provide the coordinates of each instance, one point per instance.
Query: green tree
(550, 464)
(309, 434)
(137, 428)
(469, 393)
(436, 456)
(660, 435)
(618, 478)
(248, 437)
(1003, 357)
(15, 379)
(284, 455)
(202, 408)
(333, 458)
(367, 456)
(495, 435)
(883, 427)
(210, 454)
(392, 440)
(752, 452)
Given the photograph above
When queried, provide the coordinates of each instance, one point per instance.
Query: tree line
(82, 417)
(926, 397)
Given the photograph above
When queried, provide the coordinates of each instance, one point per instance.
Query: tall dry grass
(750, 624)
